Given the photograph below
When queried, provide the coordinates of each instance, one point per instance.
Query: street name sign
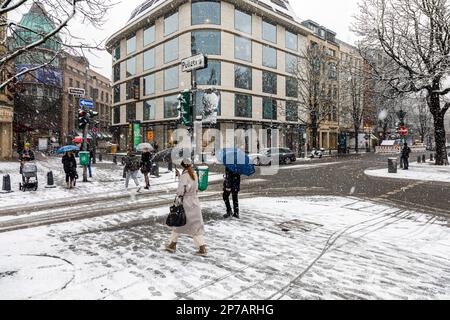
(86, 103)
(76, 91)
(196, 62)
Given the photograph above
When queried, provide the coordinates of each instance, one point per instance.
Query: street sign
(196, 62)
(403, 131)
(76, 91)
(86, 103)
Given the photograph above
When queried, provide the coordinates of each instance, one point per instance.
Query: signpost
(77, 92)
(403, 131)
(193, 63)
(86, 103)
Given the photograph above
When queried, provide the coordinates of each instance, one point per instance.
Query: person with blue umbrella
(69, 164)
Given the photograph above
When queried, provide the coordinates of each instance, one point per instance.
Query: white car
(268, 156)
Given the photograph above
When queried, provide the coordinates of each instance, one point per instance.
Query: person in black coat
(405, 156)
(70, 168)
(146, 167)
(231, 186)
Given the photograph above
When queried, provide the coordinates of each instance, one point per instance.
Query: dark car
(271, 155)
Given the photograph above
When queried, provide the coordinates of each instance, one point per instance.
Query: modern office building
(251, 46)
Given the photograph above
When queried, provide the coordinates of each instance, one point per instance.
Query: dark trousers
(226, 198)
(70, 176)
(405, 161)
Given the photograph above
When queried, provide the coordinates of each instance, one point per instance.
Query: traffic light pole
(194, 112)
(85, 134)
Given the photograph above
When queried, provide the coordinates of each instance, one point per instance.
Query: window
(207, 42)
(170, 107)
(291, 111)
(149, 59)
(116, 55)
(149, 85)
(131, 45)
(243, 106)
(291, 40)
(291, 87)
(149, 35)
(133, 89)
(70, 82)
(269, 57)
(269, 109)
(116, 114)
(200, 106)
(242, 48)
(291, 63)
(131, 112)
(269, 32)
(171, 78)
(205, 12)
(243, 77)
(116, 72)
(149, 110)
(332, 72)
(171, 50)
(242, 21)
(78, 84)
(131, 67)
(116, 93)
(209, 76)
(102, 96)
(171, 24)
(269, 82)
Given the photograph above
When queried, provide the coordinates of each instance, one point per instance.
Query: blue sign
(86, 103)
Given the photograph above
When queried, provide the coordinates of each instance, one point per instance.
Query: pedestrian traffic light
(83, 119)
(185, 108)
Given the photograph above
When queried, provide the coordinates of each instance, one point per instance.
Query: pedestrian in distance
(405, 152)
(146, 167)
(70, 169)
(26, 155)
(187, 194)
(231, 186)
(132, 166)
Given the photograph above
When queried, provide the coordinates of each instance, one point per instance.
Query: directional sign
(76, 91)
(199, 61)
(86, 103)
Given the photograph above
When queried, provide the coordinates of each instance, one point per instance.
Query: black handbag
(177, 216)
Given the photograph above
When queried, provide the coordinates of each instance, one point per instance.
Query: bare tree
(415, 35)
(419, 116)
(61, 13)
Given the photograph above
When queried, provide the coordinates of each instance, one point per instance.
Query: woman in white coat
(187, 193)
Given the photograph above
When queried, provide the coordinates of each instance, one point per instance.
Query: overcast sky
(333, 14)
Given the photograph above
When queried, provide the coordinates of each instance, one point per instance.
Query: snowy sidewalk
(287, 248)
(420, 172)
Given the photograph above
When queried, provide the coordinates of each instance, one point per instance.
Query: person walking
(132, 166)
(231, 186)
(187, 193)
(26, 155)
(70, 169)
(146, 167)
(406, 151)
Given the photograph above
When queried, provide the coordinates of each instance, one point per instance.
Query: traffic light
(185, 108)
(83, 119)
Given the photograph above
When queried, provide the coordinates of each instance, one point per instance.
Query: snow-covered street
(284, 248)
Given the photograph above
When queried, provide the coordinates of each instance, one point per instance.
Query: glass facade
(171, 24)
(116, 93)
(149, 35)
(242, 21)
(116, 116)
(131, 45)
(269, 32)
(291, 87)
(242, 48)
(131, 67)
(205, 12)
(243, 77)
(291, 40)
(149, 59)
(269, 109)
(171, 78)
(207, 42)
(269, 82)
(243, 106)
(269, 57)
(149, 110)
(116, 55)
(131, 112)
(291, 63)
(171, 50)
(291, 111)
(199, 103)
(211, 75)
(149, 85)
(116, 72)
(170, 107)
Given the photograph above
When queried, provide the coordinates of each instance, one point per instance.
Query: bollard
(6, 184)
(431, 157)
(419, 159)
(100, 157)
(170, 165)
(50, 181)
(424, 159)
(392, 165)
(115, 159)
(155, 170)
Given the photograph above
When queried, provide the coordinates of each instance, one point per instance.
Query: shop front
(6, 132)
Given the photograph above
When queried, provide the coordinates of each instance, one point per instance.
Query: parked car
(267, 156)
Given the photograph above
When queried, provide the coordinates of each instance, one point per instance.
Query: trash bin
(85, 158)
(114, 148)
(392, 165)
(202, 173)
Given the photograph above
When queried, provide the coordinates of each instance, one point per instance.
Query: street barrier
(424, 159)
(50, 181)
(6, 188)
(431, 157)
(392, 165)
(419, 159)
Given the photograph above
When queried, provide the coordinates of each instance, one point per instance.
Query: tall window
(243, 77)
(291, 111)
(131, 112)
(211, 75)
(243, 106)
(117, 93)
(332, 70)
(207, 42)
(171, 78)
(171, 24)
(200, 105)
(116, 114)
(242, 48)
(170, 107)
(205, 12)
(291, 40)
(149, 59)
(291, 87)
(269, 109)
(116, 55)
(149, 85)
(291, 63)
(149, 35)
(269, 57)
(242, 21)
(149, 110)
(171, 50)
(269, 32)
(269, 82)
(131, 67)
(131, 45)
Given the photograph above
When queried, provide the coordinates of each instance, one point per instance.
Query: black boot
(228, 215)
(236, 215)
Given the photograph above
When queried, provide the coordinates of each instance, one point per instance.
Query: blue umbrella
(236, 161)
(68, 148)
